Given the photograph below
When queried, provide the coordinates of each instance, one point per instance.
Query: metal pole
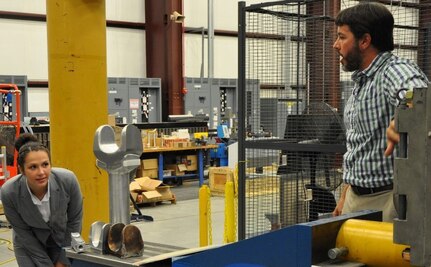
(210, 39)
(241, 120)
(203, 53)
(211, 59)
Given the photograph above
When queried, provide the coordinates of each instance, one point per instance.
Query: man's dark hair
(372, 18)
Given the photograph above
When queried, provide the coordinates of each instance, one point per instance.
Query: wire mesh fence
(293, 162)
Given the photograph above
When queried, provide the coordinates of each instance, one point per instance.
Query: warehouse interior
(214, 127)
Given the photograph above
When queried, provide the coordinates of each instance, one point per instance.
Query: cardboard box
(167, 173)
(148, 164)
(149, 168)
(182, 167)
(218, 176)
(165, 192)
(192, 162)
(182, 144)
(156, 143)
(149, 138)
(152, 173)
(134, 188)
(153, 190)
(177, 169)
(111, 119)
(257, 184)
(171, 141)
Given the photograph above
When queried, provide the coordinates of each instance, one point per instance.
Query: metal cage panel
(292, 166)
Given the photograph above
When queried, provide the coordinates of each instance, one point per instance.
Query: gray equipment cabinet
(218, 98)
(21, 83)
(135, 100)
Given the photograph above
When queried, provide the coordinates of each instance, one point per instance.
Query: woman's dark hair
(26, 143)
(372, 18)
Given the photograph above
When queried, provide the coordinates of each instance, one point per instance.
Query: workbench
(199, 150)
(155, 255)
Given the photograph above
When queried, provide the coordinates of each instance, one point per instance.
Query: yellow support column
(78, 96)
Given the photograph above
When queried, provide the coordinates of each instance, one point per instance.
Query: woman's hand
(60, 264)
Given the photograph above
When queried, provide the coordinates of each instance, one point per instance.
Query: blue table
(199, 150)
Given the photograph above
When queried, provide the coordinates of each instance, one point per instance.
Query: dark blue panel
(290, 246)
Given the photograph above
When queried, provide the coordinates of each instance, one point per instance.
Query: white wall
(25, 6)
(225, 48)
(26, 52)
(225, 56)
(42, 103)
(125, 53)
(23, 49)
(129, 10)
(24, 43)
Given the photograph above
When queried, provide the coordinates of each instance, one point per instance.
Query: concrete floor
(174, 224)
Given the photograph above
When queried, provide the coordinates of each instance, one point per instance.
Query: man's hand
(392, 138)
(339, 208)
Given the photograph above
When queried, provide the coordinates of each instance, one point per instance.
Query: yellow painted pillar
(78, 96)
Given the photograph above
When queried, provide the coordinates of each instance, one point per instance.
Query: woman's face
(37, 169)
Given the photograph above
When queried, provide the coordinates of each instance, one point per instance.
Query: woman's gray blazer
(30, 230)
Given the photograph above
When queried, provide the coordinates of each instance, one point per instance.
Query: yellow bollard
(205, 237)
(229, 216)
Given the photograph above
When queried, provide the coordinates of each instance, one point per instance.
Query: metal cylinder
(335, 253)
(370, 243)
(119, 211)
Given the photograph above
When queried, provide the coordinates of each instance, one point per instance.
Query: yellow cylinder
(204, 213)
(78, 96)
(229, 226)
(370, 243)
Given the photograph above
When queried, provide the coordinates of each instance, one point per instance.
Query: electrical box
(218, 98)
(135, 100)
(21, 82)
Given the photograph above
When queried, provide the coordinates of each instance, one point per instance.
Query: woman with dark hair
(43, 205)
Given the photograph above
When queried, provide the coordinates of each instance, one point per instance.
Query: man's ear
(365, 42)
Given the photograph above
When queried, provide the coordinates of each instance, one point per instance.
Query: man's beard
(353, 59)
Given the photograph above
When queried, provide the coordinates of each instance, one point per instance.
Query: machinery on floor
(357, 239)
(118, 237)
